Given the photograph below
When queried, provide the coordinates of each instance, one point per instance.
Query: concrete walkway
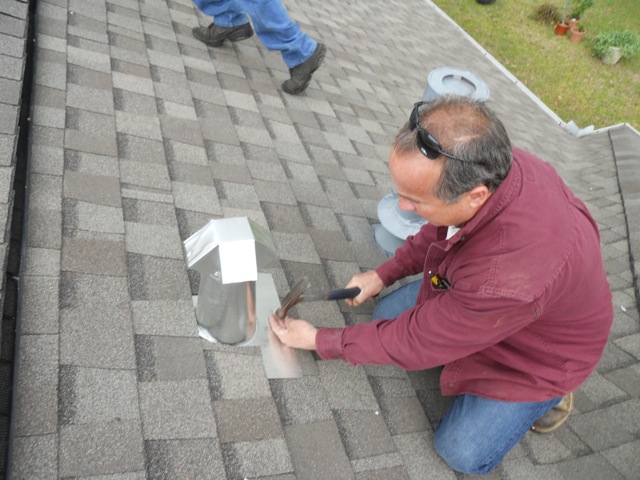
(140, 135)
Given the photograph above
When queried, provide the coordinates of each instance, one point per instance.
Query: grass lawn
(566, 76)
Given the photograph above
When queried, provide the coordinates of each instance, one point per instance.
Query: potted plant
(563, 25)
(577, 32)
(613, 45)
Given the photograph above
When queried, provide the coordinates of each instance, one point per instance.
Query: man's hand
(294, 333)
(370, 285)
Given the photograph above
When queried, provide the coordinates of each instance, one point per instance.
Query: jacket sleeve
(434, 333)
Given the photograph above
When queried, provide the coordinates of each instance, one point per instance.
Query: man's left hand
(294, 333)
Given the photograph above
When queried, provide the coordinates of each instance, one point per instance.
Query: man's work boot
(555, 417)
(301, 74)
(214, 36)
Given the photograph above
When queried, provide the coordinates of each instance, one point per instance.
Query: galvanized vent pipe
(234, 300)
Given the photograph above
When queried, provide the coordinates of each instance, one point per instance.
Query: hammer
(296, 295)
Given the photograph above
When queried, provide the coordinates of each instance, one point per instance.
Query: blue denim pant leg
(227, 13)
(271, 23)
(393, 304)
(277, 31)
(476, 433)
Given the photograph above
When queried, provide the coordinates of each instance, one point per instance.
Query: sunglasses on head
(427, 144)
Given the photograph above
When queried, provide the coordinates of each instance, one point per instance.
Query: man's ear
(478, 196)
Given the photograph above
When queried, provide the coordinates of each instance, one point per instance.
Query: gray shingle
(181, 130)
(98, 218)
(151, 213)
(524, 469)
(594, 466)
(96, 256)
(295, 247)
(317, 451)
(545, 450)
(39, 354)
(98, 338)
(600, 430)
(35, 456)
(8, 118)
(301, 401)
(10, 91)
(92, 291)
(236, 375)
(88, 59)
(90, 188)
(347, 387)
(153, 278)
(42, 261)
(364, 433)
(99, 144)
(186, 153)
(7, 149)
(144, 174)
(138, 125)
(623, 458)
(186, 458)
(132, 102)
(40, 305)
(176, 410)
(420, 458)
(36, 412)
(100, 448)
(244, 420)
(94, 395)
(403, 415)
(164, 317)
(199, 198)
(140, 149)
(162, 358)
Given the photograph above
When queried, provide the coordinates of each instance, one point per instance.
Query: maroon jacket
(529, 309)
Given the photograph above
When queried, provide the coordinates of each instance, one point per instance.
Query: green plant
(580, 7)
(627, 41)
(565, 10)
(527, 57)
(580, 27)
(547, 12)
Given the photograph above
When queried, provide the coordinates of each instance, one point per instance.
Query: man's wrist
(329, 343)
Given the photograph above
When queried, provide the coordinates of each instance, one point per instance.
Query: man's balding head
(468, 131)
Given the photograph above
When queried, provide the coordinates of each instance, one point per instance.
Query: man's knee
(463, 457)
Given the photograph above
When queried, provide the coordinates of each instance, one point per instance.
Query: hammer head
(294, 297)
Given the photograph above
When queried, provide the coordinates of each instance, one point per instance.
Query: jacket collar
(498, 201)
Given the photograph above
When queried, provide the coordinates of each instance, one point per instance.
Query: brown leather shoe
(555, 417)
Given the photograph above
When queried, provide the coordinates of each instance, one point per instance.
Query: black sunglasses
(427, 144)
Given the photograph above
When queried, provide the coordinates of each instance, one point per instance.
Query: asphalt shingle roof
(140, 134)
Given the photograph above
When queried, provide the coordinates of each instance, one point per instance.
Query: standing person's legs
(275, 29)
(476, 433)
(226, 13)
(230, 22)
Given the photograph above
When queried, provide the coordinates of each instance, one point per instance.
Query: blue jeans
(270, 21)
(476, 433)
